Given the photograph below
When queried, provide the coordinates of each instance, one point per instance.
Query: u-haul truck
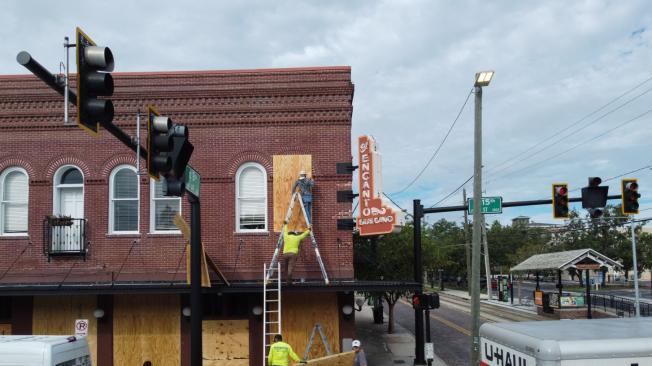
(585, 342)
(36, 350)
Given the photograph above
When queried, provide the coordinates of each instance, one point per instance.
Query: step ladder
(279, 243)
(271, 309)
(324, 340)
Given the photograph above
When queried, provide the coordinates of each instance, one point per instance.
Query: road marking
(444, 321)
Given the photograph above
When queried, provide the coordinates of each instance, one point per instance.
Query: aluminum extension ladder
(324, 340)
(279, 243)
(271, 309)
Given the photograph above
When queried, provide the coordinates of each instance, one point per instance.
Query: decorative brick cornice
(249, 156)
(114, 161)
(18, 162)
(60, 161)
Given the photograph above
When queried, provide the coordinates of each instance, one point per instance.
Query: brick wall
(233, 117)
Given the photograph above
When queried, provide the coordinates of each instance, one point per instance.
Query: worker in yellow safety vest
(279, 352)
(291, 241)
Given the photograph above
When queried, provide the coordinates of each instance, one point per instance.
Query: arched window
(69, 192)
(14, 194)
(124, 197)
(162, 209)
(251, 198)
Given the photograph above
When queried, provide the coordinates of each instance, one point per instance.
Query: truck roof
(45, 339)
(574, 339)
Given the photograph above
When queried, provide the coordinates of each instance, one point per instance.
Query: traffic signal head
(93, 80)
(630, 196)
(560, 201)
(416, 301)
(179, 157)
(594, 197)
(159, 144)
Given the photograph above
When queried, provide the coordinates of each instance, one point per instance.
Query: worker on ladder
(291, 243)
(305, 184)
(279, 352)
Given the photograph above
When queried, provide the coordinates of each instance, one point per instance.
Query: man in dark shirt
(360, 358)
(305, 184)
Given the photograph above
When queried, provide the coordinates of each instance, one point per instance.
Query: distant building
(525, 221)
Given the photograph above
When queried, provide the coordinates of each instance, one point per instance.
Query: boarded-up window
(251, 198)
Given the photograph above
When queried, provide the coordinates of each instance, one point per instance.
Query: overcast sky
(573, 73)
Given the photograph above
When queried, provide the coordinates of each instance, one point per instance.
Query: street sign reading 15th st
(490, 205)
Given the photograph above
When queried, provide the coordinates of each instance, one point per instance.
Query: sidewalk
(384, 349)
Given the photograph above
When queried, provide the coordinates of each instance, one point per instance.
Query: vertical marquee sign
(375, 217)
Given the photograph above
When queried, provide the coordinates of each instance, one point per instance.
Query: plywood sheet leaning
(56, 315)
(339, 359)
(286, 172)
(225, 342)
(300, 314)
(146, 328)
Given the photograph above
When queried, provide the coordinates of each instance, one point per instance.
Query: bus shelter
(581, 260)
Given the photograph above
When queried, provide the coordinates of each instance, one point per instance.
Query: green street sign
(191, 178)
(490, 205)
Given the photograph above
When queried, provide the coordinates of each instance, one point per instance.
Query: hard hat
(355, 343)
(303, 172)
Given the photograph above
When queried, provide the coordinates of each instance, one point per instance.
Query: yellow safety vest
(292, 241)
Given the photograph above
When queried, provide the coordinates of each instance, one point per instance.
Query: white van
(33, 350)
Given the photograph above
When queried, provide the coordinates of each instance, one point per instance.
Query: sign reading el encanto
(375, 217)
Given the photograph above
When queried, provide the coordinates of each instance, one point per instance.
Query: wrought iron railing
(621, 305)
(64, 236)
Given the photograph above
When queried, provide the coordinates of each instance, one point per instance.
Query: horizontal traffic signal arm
(25, 59)
(506, 204)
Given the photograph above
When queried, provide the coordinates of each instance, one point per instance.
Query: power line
(396, 204)
(573, 147)
(575, 123)
(452, 193)
(439, 147)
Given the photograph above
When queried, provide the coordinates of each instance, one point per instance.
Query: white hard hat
(355, 343)
(303, 172)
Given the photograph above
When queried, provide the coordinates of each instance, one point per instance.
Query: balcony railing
(64, 236)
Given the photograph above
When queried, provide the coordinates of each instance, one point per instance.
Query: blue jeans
(307, 204)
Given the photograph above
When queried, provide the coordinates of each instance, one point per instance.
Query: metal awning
(564, 260)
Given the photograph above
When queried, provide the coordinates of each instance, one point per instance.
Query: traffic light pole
(196, 311)
(418, 277)
(635, 270)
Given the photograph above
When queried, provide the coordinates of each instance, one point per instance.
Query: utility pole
(481, 79)
(467, 246)
(635, 269)
(419, 358)
(487, 267)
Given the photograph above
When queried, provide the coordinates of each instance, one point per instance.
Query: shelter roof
(564, 260)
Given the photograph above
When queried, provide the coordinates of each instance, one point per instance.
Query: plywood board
(339, 359)
(300, 314)
(56, 315)
(286, 172)
(146, 328)
(5, 329)
(225, 342)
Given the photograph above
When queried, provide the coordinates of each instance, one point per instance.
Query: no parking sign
(81, 327)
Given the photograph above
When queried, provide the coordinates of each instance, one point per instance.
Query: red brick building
(118, 251)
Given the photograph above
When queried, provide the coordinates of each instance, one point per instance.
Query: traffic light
(93, 80)
(159, 144)
(560, 201)
(179, 156)
(416, 301)
(630, 196)
(594, 197)
(433, 301)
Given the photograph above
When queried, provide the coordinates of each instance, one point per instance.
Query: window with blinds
(163, 209)
(14, 193)
(124, 200)
(251, 198)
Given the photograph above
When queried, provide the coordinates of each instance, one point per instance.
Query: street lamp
(482, 78)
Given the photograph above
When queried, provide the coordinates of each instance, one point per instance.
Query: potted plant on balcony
(55, 220)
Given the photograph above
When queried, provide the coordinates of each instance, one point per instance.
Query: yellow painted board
(286, 172)
(225, 342)
(146, 328)
(5, 329)
(56, 315)
(300, 314)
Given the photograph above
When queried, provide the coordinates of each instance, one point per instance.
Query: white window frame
(3, 177)
(237, 198)
(152, 210)
(57, 186)
(112, 200)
